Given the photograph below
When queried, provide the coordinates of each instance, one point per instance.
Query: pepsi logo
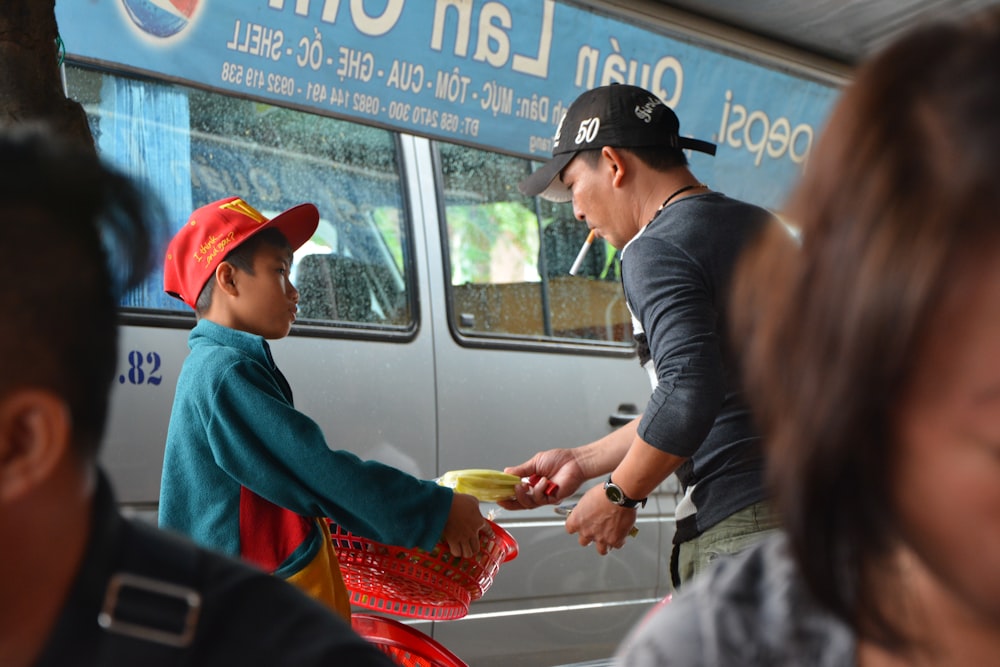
(161, 18)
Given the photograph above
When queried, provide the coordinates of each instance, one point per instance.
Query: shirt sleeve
(672, 300)
(260, 440)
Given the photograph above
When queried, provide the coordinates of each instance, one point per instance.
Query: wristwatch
(618, 497)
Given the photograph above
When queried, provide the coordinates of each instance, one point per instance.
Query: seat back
(335, 287)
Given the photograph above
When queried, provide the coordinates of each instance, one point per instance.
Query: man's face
(594, 198)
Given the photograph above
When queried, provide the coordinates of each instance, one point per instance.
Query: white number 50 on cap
(588, 130)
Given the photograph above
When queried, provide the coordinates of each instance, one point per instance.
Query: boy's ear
(225, 278)
(35, 431)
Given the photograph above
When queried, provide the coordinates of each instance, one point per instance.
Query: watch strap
(630, 503)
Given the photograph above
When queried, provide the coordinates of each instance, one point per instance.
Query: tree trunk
(31, 88)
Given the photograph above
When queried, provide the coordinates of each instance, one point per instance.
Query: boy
(245, 472)
(81, 585)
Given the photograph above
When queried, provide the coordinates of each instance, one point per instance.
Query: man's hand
(555, 474)
(600, 522)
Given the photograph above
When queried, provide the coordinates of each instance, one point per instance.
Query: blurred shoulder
(751, 609)
(249, 617)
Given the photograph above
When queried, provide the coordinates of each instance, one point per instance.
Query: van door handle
(626, 413)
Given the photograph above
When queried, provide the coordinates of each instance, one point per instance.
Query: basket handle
(506, 539)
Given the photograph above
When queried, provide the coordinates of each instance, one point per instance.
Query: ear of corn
(486, 485)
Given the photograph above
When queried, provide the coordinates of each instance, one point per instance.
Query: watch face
(614, 494)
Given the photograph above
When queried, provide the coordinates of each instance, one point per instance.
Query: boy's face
(267, 301)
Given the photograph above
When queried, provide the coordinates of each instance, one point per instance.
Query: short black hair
(658, 158)
(76, 234)
(242, 258)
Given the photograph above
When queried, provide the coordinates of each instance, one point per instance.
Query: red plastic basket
(416, 583)
(406, 646)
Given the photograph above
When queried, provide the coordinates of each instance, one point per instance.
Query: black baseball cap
(618, 115)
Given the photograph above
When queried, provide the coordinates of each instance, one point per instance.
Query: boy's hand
(464, 524)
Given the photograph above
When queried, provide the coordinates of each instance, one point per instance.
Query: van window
(194, 147)
(509, 258)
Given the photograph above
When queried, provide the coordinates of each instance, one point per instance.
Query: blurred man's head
(74, 235)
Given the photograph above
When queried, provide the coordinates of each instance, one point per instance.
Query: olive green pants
(726, 538)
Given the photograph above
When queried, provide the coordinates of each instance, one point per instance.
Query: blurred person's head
(75, 236)
(873, 347)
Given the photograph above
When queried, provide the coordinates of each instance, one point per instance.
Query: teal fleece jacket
(234, 430)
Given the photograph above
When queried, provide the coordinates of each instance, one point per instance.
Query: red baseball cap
(214, 230)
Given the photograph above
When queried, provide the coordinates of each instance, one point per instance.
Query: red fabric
(185, 7)
(269, 533)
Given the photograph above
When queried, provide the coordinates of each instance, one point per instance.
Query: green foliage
(478, 234)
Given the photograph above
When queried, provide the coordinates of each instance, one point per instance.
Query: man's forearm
(600, 457)
(643, 468)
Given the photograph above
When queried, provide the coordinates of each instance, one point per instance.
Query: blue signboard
(491, 73)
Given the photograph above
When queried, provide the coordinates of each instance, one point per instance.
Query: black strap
(152, 602)
(283, 383)
(675, 565)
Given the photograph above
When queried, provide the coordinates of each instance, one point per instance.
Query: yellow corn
(486, 485)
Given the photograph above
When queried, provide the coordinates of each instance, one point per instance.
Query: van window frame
(182, 319)
(506, 341)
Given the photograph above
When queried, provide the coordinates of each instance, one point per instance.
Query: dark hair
(241, 257)
(76, 234)
(902, 190)
(658, 158)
